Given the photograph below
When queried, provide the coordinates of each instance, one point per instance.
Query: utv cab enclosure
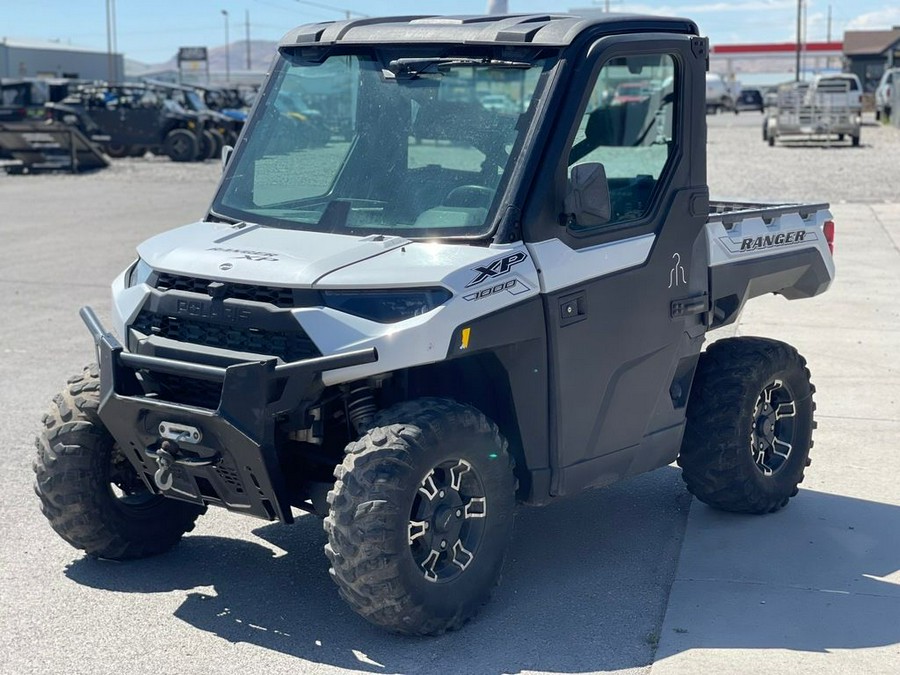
(451, 309)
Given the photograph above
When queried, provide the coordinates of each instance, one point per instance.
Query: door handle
(687, 306)
(572, 308)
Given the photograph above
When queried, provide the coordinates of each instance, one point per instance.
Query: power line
(348, 12)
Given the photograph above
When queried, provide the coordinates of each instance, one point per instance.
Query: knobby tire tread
(70, 480)
(365, 559)
(715, 458)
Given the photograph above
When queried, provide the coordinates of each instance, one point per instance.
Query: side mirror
(587, 196)
(226, 155)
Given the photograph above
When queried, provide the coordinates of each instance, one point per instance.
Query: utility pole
(227, 54)
(111, 45)
(829, 24)
(247, 26)
(799, 28)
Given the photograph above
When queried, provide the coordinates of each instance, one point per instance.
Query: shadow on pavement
(584, 589)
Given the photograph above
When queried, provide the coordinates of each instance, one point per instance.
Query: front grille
(292, 345)
(280, 297)
(186, 390)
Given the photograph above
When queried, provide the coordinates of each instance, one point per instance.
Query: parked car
(631, 92)
(719, 95)
(500, 103)
(750, 99)
(827, 90)
(885, 91)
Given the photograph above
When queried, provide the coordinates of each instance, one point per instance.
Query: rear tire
(90, 493)
(420, 517)
(749, 425)
(181, 145)
(210, 145)
(116, 150)
(854, 141)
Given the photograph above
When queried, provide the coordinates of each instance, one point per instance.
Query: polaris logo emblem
(497, 268)
(771, 240)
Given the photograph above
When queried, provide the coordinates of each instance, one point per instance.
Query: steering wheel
(470, 196)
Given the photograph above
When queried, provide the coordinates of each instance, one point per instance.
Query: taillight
(828, 230)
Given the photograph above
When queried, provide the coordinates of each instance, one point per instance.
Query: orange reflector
(828, 229)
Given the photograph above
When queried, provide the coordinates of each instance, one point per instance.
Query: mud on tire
(749, 425)
(91, 495)
(420, 517)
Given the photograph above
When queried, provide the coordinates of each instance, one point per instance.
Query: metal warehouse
(35, 58)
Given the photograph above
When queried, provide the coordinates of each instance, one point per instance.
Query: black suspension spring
(361, 407)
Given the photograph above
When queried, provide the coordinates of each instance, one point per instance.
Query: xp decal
(497, 267)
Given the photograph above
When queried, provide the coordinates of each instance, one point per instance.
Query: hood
(259, 255)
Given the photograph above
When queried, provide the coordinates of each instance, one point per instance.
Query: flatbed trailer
(824, 112)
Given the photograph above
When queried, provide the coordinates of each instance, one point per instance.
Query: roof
(869, 42)
(776, 48)
(46, 45)
(556, 30)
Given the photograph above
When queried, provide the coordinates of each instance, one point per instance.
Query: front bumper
(234, 463)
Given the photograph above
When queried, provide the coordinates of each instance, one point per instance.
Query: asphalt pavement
(611, 581)
(584, 589)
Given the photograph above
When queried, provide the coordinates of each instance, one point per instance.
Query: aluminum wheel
(772, 437)
(446, 522)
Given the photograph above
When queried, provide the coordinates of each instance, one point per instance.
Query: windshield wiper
(413, 67)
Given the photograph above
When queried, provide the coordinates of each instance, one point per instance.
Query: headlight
(387, 306)
(138, 274)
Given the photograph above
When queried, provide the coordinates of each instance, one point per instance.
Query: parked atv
(129, 119)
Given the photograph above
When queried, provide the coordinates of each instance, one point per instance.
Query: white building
(38, 58)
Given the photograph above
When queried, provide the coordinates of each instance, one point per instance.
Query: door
(624, 291)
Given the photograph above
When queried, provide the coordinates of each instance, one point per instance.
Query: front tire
(90, 493)
(420, 517)
(749, 425)
(181, 145)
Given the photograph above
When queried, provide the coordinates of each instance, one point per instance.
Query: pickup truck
(410, 329)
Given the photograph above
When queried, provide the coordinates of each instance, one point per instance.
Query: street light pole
(227, 54)
(799, 28)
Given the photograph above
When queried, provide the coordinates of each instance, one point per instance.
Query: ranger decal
(767, 241)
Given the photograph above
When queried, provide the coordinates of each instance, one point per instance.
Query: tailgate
(756, 249)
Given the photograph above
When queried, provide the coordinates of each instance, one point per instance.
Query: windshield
(416, 146)
(195, 100)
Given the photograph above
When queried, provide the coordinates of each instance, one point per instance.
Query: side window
(628, 128)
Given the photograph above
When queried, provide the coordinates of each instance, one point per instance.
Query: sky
(151, 31)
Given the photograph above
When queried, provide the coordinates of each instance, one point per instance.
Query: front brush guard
(235, 462)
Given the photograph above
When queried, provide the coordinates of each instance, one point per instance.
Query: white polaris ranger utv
(446, 307)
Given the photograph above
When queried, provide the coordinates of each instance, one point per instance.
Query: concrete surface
(814, 588)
